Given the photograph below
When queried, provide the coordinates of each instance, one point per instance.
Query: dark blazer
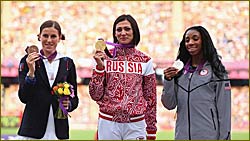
(38, 98)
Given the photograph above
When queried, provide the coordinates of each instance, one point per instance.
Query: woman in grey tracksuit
(201, 90)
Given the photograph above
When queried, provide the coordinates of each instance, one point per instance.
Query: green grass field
(161, 135)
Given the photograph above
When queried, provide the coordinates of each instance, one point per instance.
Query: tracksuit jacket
(203, 105)
(126, 87)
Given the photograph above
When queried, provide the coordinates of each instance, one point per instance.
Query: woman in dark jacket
(38, 73)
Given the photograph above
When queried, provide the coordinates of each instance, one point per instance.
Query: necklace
(187, 67)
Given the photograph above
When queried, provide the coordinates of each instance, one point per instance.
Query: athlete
(201, 90)
(124, 87)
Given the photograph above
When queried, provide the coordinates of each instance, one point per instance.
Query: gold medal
(100, 45)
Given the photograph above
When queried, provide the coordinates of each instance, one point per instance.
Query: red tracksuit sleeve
(96, 84)
(149, 92)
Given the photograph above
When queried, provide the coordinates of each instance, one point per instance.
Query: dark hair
(51, 23)
(209, 51)
(134, 25)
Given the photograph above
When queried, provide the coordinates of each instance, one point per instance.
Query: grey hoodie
(203, 105)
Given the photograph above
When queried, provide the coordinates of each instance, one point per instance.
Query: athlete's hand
(66, 103)
(31, 59)
(170, 72)
(99, 57)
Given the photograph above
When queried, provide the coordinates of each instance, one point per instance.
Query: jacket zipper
(189, 125)
(213, 118)
(126, 97)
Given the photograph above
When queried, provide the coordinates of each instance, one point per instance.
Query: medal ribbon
(50, 58)
(187, 67)
(65, 112)
(118, 45)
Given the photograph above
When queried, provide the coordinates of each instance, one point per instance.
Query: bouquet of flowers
(62, 91)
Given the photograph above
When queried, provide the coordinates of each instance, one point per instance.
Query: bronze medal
(100, 45)
(31, 49)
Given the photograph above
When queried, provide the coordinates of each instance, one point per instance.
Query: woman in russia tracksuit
(124, 87)
(201, 90)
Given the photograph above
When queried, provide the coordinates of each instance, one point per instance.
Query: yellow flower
(66, 85)
(60, 90)
(66, 91)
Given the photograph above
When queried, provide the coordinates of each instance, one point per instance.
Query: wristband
(99, 70)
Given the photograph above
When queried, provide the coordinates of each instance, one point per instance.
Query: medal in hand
(100, 45)
(31, 49)
(178, 64)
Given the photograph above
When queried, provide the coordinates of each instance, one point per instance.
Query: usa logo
(203, 72)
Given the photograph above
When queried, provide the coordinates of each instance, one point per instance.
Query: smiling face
(193, 42)
(124, 32)
(49, 38)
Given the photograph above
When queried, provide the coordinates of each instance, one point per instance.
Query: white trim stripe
(99, 71)
(151, 135)
(133, 118)
(105, 115)
(110, 116)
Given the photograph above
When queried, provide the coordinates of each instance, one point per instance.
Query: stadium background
(161, 24)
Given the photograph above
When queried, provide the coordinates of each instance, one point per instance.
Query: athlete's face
(49, 38)
(193, 42)
(124, 32)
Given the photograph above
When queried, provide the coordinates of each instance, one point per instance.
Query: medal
(31, 49)
(178, 64)
(100, 45)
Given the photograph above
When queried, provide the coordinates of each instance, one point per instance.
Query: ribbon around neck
(118, 46)
(187, 66)
(50, 58)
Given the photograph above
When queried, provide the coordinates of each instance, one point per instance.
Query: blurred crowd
(161, 23)
(228, 24)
